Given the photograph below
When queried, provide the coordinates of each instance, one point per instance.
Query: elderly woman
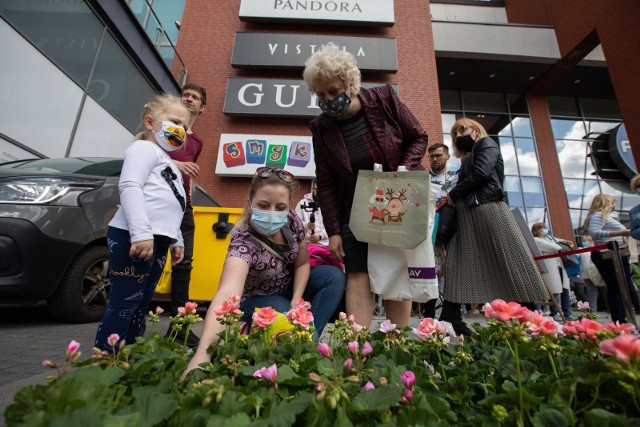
(603, 228)
(488, 257)
(357, 128)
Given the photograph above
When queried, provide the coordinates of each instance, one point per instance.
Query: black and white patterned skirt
(488, 258)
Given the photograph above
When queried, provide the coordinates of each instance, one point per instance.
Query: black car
(53, 220)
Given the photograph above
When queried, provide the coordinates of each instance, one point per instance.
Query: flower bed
(523, 369)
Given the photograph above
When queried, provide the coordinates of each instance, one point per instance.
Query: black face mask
(465, 143)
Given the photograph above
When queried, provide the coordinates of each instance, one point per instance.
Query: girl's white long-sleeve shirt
(148, 205)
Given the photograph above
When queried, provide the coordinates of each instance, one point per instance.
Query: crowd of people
(282, 252)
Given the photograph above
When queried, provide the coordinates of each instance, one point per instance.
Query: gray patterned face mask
(336, 106)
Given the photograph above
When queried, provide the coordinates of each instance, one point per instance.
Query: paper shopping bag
(391, 208)
(405, 274)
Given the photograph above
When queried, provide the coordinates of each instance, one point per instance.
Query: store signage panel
(241, 154)
(292, 50)
(359, 12)
(620, 149)
(272, 98)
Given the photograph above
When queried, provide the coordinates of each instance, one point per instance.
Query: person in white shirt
(147, 224)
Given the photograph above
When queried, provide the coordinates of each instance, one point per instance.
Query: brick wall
(205, 45)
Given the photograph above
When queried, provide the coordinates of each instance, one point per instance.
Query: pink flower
(73, 347)
(408, 378)
(366, 348)
(303, 303)
(48, 364)
(407, 395)
(300, 316)
(547, 327)
(503, 311)
(113, 340)
(342, 316)
(189, 308)
(351, 319)
(368, 386)
(347, 363)
(356, 328)
(624, 347)
(264, 317)
(230, 306)
(387, 326)
(583, 306)
(269, 374)
(533, 317)
(324, 349)
(620, 328)
(353, 347)
(430, 327)
(583, 329)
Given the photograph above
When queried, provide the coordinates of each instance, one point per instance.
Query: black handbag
(446, 223)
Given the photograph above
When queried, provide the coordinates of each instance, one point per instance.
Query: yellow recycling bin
(213, 232)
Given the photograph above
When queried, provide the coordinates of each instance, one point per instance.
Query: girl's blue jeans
(133, 282)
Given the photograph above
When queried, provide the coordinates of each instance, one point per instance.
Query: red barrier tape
(573, 252)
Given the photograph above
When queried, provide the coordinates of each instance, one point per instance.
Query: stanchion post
(622, 283)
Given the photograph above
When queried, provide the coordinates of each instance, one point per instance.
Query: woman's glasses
(266, 172)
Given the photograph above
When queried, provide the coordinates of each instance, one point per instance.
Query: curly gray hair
(329, 62)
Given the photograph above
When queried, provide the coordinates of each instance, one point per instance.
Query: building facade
(545, 78)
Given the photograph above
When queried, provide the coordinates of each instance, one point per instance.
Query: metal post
(622, 283)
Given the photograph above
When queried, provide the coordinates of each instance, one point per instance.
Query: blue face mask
(268, 222)
(585, 244)
(545, 231)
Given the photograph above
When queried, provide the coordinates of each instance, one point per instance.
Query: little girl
(152, 202)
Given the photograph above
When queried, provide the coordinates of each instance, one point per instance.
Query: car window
(86, 166)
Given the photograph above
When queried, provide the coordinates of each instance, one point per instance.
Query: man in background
(194, 97)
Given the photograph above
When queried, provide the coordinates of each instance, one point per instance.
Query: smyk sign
(242, 154)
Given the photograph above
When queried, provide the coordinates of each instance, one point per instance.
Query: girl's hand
(142, 250)
(177, 255)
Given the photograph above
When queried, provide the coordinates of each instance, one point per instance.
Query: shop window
(119, 86)
(563, 106)
(68, 32)
(572, 156)
(527, 157)
(600, 108)
(568, 129)
(514, 192)
(489, 102)
(532, 192)
(521, 126)
(450, 100)
(509, 156)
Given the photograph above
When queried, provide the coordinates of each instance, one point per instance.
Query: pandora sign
(360, 12)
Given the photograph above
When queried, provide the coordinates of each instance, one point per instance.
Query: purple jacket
(398, 133)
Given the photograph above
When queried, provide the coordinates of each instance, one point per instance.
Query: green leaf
(96, 375)
(378, 399)
(237, 420)
(152, 406)
(604, 418)
(79, 417)
(550, 417)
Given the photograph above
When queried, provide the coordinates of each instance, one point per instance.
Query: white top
(552, 277)
(599, 230)
(306, 217)
(147, 203)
